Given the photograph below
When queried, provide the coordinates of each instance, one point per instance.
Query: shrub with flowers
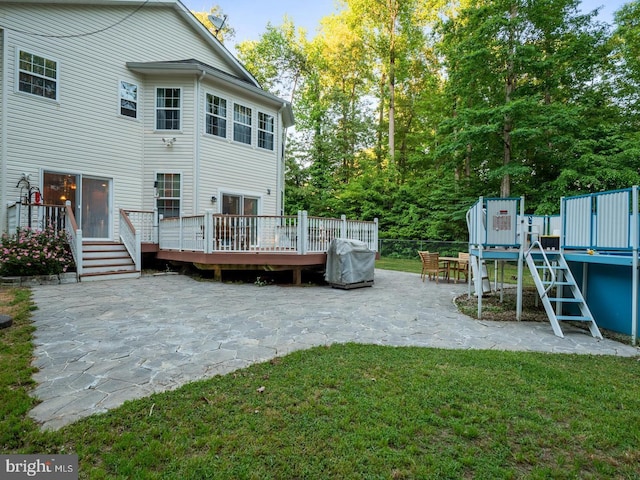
(35, 252)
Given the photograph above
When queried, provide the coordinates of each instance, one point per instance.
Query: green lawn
(415, 266)
(351, 411)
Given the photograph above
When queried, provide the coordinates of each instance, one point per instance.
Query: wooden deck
(215, 242)
(219, 262)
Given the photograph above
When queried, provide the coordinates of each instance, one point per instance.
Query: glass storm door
(58, 188)
(95, 208)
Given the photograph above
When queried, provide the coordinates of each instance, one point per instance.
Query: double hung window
(216, 116)
(168, 109)
(242, 124)
(265, 131)
(37, 75)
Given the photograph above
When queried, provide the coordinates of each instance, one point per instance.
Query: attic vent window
(38, 75)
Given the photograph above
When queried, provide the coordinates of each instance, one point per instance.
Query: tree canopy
(408, 110)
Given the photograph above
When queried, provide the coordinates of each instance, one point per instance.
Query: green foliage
(488, 96)
(35, 252)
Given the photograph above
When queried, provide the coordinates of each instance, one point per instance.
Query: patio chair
(463, 266)
(432, 267)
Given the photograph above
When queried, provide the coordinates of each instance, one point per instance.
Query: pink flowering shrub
(32, 252)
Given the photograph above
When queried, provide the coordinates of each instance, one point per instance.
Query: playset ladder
(480, 268)
(556, 285)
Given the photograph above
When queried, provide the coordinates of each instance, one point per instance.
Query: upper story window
(242, 124)
(38, 75)
(216, 116)
(128, 99)
(167, 109)
(265, 131)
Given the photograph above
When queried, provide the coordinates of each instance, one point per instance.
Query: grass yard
(351, 411)
(414, 265)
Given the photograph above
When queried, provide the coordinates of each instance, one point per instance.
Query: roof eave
(168, 68)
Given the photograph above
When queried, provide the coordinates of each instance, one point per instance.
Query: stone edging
(69, 277)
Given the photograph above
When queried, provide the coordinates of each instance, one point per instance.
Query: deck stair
(557, 287)
(106, 261)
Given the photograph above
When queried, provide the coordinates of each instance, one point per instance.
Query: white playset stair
(557, 287)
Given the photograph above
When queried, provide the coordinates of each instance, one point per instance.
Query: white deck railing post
(303, 231)
(343, 226)
(208, 231)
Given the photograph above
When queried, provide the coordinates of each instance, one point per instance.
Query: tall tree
(517, 70)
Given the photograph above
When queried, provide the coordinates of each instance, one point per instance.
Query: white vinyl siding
(85, 132)
(242, 124)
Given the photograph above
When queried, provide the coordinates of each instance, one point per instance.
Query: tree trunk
(505, 187)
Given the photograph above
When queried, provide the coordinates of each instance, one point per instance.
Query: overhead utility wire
(77, 35)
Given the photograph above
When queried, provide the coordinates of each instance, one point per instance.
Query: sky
(249, 18)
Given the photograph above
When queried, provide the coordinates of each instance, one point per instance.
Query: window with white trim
(265, 130)
(242, 124)
(216, 116)
(128, 99)
(168, 109)
(168, 191)
(37, 75)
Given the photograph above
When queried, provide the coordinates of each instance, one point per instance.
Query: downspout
(196, 148)
(3, 136)
(280, 182)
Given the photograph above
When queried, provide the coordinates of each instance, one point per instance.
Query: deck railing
(131, 239)
(36, 216)
(600, 221)
(300, 234)
(145, 224)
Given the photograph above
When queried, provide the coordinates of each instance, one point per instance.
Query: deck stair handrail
(548, 268)
(75, 237)
(131, 239)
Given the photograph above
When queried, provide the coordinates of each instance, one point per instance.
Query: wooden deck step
(106, 261)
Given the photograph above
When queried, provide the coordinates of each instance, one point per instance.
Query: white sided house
(139, 127)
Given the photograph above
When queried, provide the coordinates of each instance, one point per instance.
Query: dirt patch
(505, 310)
(6, 298)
